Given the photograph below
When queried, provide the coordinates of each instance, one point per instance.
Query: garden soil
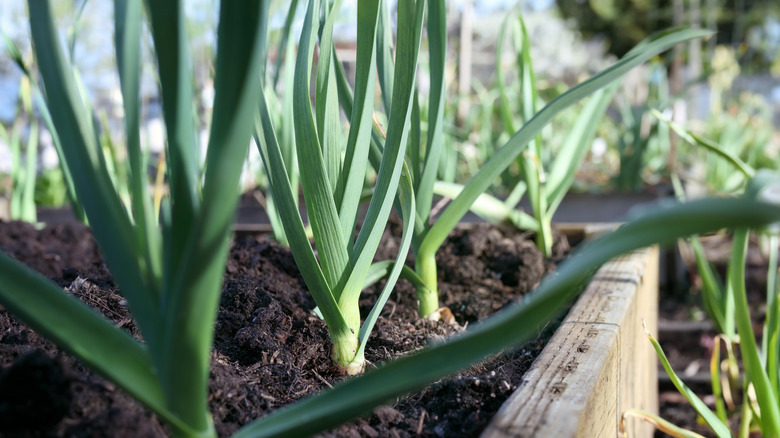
(269, 348)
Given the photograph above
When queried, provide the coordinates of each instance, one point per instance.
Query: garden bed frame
(599, 363)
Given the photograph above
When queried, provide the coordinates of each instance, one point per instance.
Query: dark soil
(269, 349)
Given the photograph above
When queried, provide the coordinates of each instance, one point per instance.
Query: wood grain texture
(598, 364)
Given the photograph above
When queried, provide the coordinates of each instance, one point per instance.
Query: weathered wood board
(597, 365)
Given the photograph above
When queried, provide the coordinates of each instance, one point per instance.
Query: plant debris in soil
(269, 348)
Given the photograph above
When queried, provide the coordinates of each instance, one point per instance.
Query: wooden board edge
(615, 365)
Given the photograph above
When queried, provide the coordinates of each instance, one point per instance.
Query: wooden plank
(597, 365)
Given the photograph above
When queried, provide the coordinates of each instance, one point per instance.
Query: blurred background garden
(725, 90)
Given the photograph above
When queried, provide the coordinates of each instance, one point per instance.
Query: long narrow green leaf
(40, 103)
(127, 18)
(390, 169)
(14, 53)
(659, 423)
(437, 52)
(326, 98)
(283, 41)
(715, 377)
(712, 289)
(84, 158)
(576, 145)
(384, 60)
(501, 159)
(168, 28)
(320, 205)
(504, 108)
(771, 335)
(490, 208)
(287, 206)
(350, 183)
(380, 270)
(191, 305)
(29, 209)
(754, 371)
(15, 145)
(514, 325)
(286, 139)
(717, 426)
(530, 161)
(77, 329)
(173, 62)
(406, 199)
(694, 139)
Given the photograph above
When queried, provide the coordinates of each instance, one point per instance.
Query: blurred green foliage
(626, 22)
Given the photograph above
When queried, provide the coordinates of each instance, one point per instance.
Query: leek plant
(424, 157)
(332, 181)
(170, 274)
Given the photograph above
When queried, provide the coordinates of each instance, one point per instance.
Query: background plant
(171, 275)
(726, 305)
(729, 310)
(430, 235)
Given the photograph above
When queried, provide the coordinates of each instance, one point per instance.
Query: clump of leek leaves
(332, 181)
(545, 192)
(171, 272)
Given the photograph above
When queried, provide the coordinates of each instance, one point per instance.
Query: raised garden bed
(265, 332)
